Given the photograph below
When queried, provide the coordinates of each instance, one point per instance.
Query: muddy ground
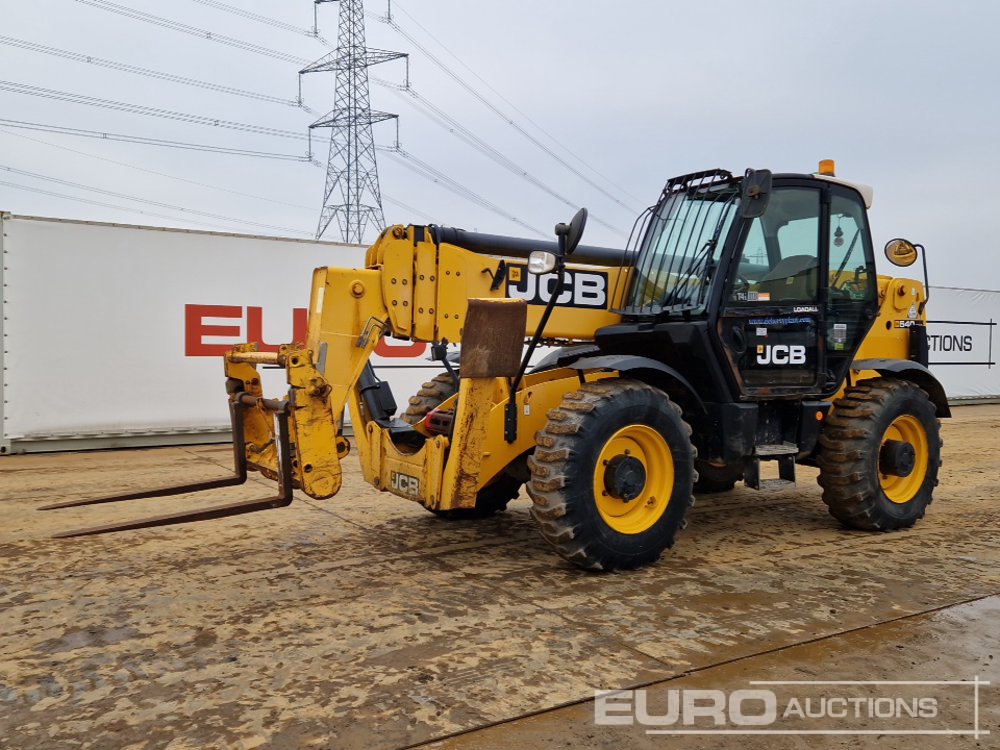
(364, 622)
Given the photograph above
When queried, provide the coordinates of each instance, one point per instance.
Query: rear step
(240, 403)
(784, 454)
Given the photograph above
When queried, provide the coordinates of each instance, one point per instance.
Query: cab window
(779, 261)
(849, 273)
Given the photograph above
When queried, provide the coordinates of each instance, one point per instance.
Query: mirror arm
(510, 411)
(927, 285)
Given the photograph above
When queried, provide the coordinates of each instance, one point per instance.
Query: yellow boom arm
(416, 289)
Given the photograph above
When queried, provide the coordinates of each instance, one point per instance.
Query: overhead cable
(502, 115)
(556, 141)
(124, 67)
(408, 207)
(278, 24)
(211, 36)
(438, 177)
(408, 160)
(142, 140)
(140, 109)
(130, 209)
(453, 126)
(158, 204)
(146, 170)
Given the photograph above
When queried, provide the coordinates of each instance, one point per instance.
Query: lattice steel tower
(352, 192)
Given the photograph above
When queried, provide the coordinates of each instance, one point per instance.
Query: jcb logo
(779, 354)
(580, 288)
(405, 484)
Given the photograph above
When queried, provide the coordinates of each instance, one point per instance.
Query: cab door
(772, 322)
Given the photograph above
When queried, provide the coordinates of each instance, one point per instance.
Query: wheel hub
(897, 458)
(624, 477)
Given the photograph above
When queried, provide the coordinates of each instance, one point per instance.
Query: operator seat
(793, 279)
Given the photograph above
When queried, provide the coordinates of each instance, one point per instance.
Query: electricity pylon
(352, 192)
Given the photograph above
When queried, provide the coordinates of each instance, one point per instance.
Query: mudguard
(913, 372)
(649, 371)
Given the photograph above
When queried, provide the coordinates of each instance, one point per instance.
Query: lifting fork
(239, 403)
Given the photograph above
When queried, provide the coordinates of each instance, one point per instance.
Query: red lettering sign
(408, 349)
(196, 330)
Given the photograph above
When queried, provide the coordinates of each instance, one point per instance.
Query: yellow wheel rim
(906, 429)
(648, 447)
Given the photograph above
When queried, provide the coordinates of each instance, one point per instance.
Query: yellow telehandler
(744, 323)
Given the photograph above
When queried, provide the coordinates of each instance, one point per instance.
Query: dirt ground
(364, 622)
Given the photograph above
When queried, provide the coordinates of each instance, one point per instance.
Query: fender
(563, 355)
(648, 370)
(913, 372)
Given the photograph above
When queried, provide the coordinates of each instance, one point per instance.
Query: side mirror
(570, 234)
(756, 193)
(541, 262)
(901, 252)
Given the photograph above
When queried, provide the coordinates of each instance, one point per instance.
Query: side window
(853, 283)
(849, 271)
(779, 261)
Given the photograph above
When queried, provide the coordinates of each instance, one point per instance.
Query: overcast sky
(901, 93)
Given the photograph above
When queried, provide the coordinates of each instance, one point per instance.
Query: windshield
(678, 249)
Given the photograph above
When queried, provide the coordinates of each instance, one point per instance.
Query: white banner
(113, 331)
(960, 335)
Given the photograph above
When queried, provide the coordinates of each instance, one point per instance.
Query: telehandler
(745, 323)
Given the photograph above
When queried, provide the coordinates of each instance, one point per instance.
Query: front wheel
(879, 455)
(612, 475)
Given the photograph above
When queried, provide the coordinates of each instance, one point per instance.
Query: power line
(113, 65)
(146, 201)
(155, 172)
(144, 141)
(500, 113)
(129, 209)
(453, 126)
(407, 160)
(258, 49)
(413, 210)
(513, 106)
(247, 46)
(407, 206)
(193, 31)
(435, 175)
(139, 109)
(263, 19)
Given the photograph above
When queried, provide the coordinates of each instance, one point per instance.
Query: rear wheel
(612, 474)
(491, 499)
(880, 453)
(431, 395)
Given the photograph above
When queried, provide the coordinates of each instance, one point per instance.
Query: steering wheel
(740, 284)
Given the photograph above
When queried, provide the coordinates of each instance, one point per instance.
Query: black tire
(716, 478)
(433, 393)
(856, 473)
(566, 462)
(491, 499)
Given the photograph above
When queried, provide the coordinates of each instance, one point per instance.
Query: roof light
(827, 168)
